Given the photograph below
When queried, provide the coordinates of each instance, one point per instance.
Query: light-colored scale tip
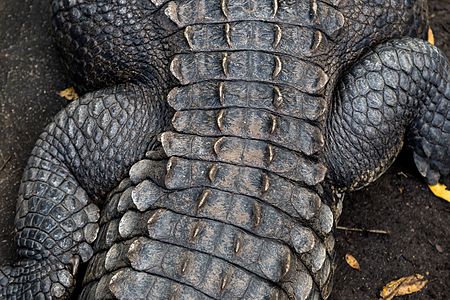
(225, 64)
(154, 217)
(196, 230)
(317, 40)
(266, 183)
(172, 97)
(256, 214)
(219, 120)
(171, 11)
(213, 172)
(188, 33)
(222, 93)
(175, 69)
(203, 198)
(217, 145)
(185, 265)
(274, 123)
(224, 8)
(287, 264)
(227, 34)
(225, 281)
(278, 67)
(270, 153)
(313, 12)
(277, 36)
(277, 98)
(237, 245)
(275, 8)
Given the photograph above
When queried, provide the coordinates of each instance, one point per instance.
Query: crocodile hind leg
(398, 91)
(79, 157)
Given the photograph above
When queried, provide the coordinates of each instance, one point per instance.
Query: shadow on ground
(418, 223)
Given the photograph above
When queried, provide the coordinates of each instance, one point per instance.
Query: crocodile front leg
(78, 158)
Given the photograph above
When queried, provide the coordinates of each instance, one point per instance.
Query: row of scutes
(180, 224)
(243, 165)
(313, 13)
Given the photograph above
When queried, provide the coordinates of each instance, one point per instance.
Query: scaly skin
(402, 88)
(236, 201)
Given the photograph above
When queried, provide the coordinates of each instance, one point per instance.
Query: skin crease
(173, 180)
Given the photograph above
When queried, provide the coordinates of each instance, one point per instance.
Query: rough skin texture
(234, 202)
(398, 89)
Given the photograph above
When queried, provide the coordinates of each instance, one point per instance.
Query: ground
(399, 203)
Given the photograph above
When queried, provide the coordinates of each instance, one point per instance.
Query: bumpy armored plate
(205, 158)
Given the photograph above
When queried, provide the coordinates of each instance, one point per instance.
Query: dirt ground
(400, 203)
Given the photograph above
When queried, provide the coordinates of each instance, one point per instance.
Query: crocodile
(214, 140)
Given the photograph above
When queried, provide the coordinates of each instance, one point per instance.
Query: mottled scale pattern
(245, 152)
(245, 75)
(278, 100)
(290, 133)
(109, 42)
(399, 83)
(104, 131)
(226, 194)
(237, 228)
(264, 67)
(79, 156)
(316, 14)
(287, 39)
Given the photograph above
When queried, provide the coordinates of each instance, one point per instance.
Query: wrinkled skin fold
(205, 157)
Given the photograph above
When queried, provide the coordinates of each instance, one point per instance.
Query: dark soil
(400, 203)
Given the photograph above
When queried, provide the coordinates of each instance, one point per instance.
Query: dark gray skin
(206, 156)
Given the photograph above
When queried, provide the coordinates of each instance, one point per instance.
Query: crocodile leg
(399, 91)
(104, 43)
(80, 156)
(91, 144)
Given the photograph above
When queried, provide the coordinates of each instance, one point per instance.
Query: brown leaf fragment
(430, 36)
(403, 286)
(352, 262)
(69, 93)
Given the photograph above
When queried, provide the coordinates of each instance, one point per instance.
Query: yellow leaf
(69, 93)
(430, 36)
(441, 191)
(403, 286)
(352, 262)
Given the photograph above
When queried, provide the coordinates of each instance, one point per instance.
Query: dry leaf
(441, 191)
(430, 36)
(439, 248)
(403, 286)
(69, 93)
(352, 262)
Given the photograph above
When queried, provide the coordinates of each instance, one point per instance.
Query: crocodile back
(242, 208)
